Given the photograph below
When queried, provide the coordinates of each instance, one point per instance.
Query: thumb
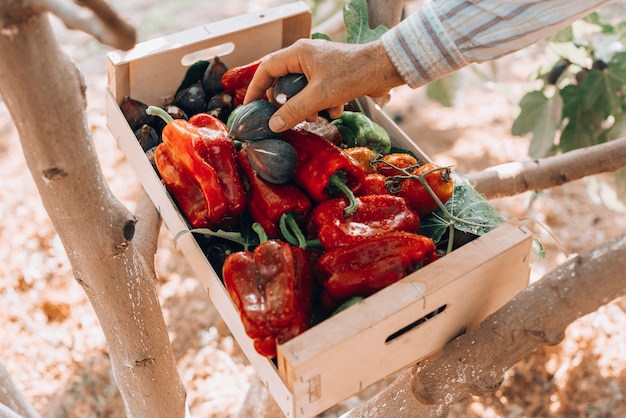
(294, 111)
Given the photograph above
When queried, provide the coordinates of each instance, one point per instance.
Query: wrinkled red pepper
(368, 266)
(374, 215)
(185, 191)
(267, 202)
(321, 163)
(272, 291)
(235, 80)
(200, 148)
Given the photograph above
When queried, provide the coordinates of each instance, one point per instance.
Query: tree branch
(12, 402)
(102, 22)
(475, 362)
(517, 177)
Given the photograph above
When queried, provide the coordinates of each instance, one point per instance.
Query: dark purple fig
(274, 160)
(175, 112)
(147, 137)
(135, 114)
(150, 157)
(322, 127)
(251, 123)
(288, 86)
(220, 106)
(191, 99)
(212, 77)
(193, 75)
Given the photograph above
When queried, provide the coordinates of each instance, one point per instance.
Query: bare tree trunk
(45, 94)
(475, 363)
(386, 13)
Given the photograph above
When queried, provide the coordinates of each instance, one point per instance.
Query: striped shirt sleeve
(446, 35)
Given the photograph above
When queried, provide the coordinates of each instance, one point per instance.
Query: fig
(274, 160)
(193, 75)
(288, 86)
(147, 137)
(134, 112)
(191, 99)
(175, 112)
(220, 105)
(251, 123)
(211, 79)
(150, 157)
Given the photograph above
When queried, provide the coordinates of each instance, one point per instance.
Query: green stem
(260, 232)
(284, 229)
(337, 181)
(157, 111)
(293, 234)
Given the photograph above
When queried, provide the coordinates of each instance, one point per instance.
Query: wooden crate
(371, 340)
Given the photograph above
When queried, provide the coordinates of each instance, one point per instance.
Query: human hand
(336, 73)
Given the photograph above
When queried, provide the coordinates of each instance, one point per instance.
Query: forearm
(446, 35)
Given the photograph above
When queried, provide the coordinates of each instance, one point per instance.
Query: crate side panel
(389, 300)
(344, 368)
(296, 27)
(118, 79)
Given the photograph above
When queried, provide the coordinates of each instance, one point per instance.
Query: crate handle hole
(208, 53)
(415, 324)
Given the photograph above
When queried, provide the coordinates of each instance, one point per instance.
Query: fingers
(273, 66)
(294, 111)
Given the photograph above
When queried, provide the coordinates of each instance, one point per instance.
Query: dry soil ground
(51, 342)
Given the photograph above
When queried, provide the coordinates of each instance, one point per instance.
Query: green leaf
(356, 21)
(245, 236)
(540, 116)
(444, 89)
(471, 213)
(569, 51)
(598, 94)
(577, 132)
(564, 35)
(318, 35)
(617, 68)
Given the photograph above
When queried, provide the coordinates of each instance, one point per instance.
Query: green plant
(582, 101)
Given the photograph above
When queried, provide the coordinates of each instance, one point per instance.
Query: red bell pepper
(367, 266)
(374, 215)
(267, 202)
(272, 289)
(323, 168)
(235, 80)
(185, 191)
(200, 149)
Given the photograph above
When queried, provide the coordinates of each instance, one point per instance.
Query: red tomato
(374, 184)
(390, 162)
(418, 197)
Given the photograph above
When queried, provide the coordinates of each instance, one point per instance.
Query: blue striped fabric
(446, 35)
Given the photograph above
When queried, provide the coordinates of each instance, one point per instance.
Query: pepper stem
(293, 234)
(286, 232)
(337, 181)
(258, 228)
(157, 111)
